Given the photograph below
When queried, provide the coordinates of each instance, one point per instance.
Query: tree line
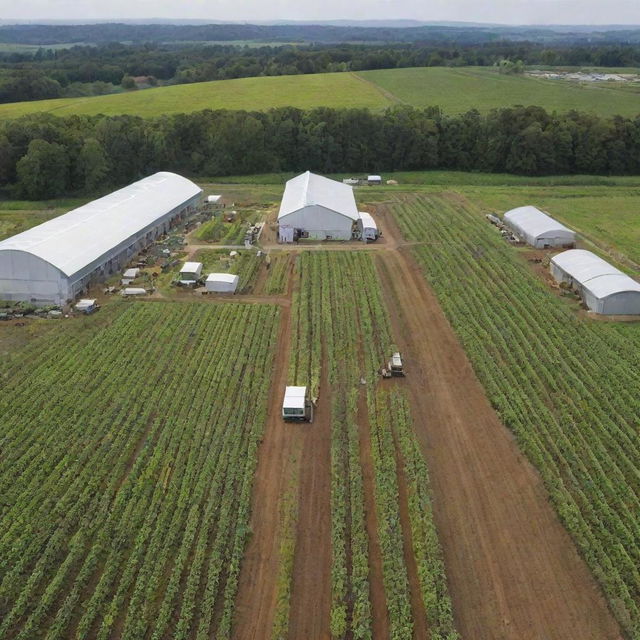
(86, 70)
(42, 156)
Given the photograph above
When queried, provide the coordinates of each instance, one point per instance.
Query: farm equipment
(395, 365)
(296, 406)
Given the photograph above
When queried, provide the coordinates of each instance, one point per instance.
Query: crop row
(126, 468)
(339, 317)
(567, 386)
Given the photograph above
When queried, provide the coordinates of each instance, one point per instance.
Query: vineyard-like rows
(126, 462)
(339, 310)
(278, 276)
(567, 386)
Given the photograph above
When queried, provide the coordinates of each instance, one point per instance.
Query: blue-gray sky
(495, 11)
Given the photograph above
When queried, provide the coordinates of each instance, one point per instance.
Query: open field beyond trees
(454, 90)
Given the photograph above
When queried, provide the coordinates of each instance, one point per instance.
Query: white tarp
(134, 291)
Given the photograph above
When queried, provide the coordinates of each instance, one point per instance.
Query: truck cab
(296, 406)
(395, 365)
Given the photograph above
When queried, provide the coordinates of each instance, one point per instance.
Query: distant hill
(332, 32)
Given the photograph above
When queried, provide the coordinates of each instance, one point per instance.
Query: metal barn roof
(223, 277)
(191, 267)
(594, 273)
(533, 221)
(309, 189)
(74, 240)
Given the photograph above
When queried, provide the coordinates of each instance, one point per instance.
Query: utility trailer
(296, 406)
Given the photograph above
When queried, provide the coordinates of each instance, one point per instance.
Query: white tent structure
(603, 288)
(538, 229)
(368, 227)
(53, 262)
(316, 207)
(222, 282)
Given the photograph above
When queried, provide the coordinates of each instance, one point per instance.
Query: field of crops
(455, 90)
(125, 506)
(348, 329)
(482, 88)
(566, 386)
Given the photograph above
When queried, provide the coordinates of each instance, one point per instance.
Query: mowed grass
(253, 94)
(461, 89)
(454, 90)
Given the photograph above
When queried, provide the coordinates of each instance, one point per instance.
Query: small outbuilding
(604, 288)
(373, 180)
(190, 272)
(131, 274)
(222, 282)
(214, 200)
(318, 208)
(86, 305)
(368, 227)
(538, 229)
(134, 291)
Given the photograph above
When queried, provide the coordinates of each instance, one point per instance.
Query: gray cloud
(498, 11)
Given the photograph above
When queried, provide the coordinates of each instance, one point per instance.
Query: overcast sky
(497, 11)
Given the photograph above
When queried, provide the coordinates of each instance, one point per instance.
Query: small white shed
(190, 272)
(131, 274)
(222, 282)
(373, 179)
(368, 227)
(134, 291)
(86, 305)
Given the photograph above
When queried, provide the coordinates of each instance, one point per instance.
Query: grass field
(454, 90)
(608, 217)
(458, 90)
(254, 94)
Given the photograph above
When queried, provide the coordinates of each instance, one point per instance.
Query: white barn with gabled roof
(538, 229)
(318, 208)
(53, 262)
(603, 288)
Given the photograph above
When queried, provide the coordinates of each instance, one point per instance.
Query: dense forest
(301, 32)
(42, 156)
(95, 70)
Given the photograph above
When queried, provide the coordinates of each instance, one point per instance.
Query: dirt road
(257, 584)
(311, 584)
(513, 571)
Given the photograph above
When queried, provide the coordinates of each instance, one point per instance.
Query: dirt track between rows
(513, 571)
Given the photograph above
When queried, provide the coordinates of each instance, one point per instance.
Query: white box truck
(296, 406)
